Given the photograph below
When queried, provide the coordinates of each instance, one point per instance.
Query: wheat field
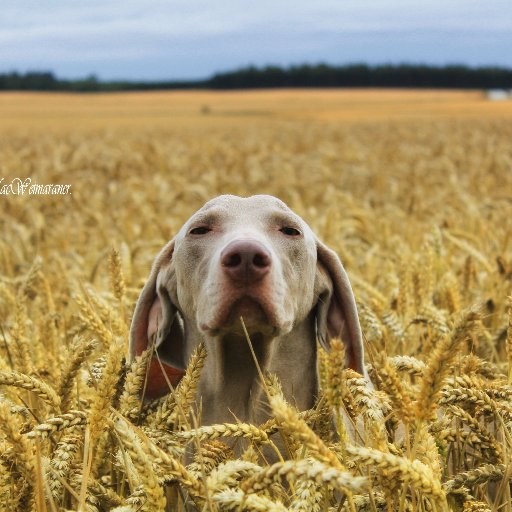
(413, 189)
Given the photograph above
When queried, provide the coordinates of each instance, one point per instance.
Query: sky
(189, 39)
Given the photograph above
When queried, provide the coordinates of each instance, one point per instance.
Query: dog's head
(251, 257)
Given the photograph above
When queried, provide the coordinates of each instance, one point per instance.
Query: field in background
(412, 189)
(169, 109)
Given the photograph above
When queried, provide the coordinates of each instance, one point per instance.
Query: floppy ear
(156, 321)
(336, 309)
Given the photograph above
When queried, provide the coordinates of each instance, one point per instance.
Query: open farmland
(172, 110)
(414, 192)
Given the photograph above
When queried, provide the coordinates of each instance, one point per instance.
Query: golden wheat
(413, 190)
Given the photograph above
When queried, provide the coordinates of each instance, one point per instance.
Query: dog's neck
(230, 387)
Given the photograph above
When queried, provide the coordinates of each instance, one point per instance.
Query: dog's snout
(246, 260)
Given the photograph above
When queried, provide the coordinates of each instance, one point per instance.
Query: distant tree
(88, 84)
(33, 80)
(304, 75)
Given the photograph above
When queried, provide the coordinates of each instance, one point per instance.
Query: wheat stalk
(186, 391)
(80, 351)
(416, 474)
(236, 430)
(231, 499)
(322, 474)
(55, 424)
(36, 386)
(155, 499)
(438, 366)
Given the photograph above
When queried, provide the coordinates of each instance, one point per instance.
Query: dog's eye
(200, 230)
(288, 231)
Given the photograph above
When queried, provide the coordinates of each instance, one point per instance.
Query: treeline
(362, 75)
(321, 75)
(46, 81)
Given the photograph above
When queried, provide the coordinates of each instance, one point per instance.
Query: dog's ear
(157, 324)
(336, 308)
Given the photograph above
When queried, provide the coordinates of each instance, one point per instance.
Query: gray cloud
(179, 39)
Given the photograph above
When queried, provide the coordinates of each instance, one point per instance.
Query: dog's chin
(256, 318)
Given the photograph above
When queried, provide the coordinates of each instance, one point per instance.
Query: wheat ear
(155, 499)
(439, 365)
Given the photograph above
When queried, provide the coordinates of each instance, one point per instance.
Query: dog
(253, 258)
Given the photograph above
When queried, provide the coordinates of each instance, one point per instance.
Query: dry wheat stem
(235, 430)
(321, 473)
(414, 472)
(40, 388)
(155, 498)
(58, 423)
(485, 473)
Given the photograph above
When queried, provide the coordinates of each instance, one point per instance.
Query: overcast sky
(173, 39)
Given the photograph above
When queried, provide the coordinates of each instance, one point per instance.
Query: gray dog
(252, 258)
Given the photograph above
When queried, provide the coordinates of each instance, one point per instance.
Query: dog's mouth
(256, 315)
(249, 309)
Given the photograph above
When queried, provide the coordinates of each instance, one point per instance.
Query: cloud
(134, 39)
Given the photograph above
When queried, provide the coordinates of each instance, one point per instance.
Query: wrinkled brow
(208, 218)
(287, 218)
(275, 217)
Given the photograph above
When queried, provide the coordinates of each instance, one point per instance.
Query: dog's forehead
(241, 205)
(230, 207)
(246, 211)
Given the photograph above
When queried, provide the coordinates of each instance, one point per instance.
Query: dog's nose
(245, 260)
